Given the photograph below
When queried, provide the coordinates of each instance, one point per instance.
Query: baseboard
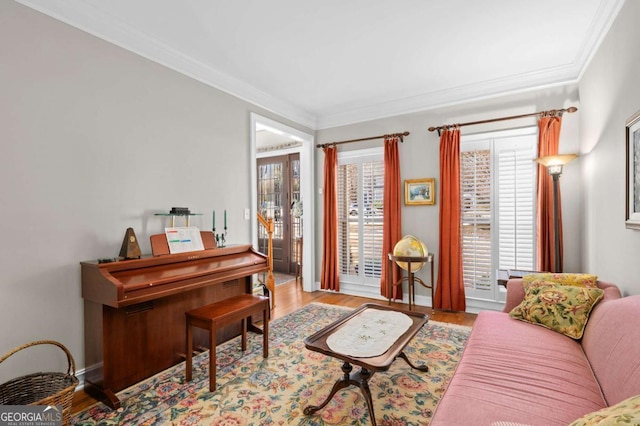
(370, 292)
(80, 374)
(474, 306)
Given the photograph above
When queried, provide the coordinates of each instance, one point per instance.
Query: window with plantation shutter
(349, 245)
(360, 200)
(475, 187)
(497, 188)
(516, 204)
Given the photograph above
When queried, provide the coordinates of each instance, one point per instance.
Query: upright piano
(134, 311)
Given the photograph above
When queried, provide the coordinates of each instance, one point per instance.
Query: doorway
(278, 193)
(302, 144)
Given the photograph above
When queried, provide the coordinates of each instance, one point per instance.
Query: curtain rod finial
(431, 129)
(572, 109)
(402, 135)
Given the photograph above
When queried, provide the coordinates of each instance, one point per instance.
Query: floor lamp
(554, 164)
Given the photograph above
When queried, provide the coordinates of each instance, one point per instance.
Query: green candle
(214, 220)
(225, 219)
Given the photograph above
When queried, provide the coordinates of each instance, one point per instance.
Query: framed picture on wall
(420, 191)
(632, 132)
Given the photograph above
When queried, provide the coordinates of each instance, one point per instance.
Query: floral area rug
(252, 390)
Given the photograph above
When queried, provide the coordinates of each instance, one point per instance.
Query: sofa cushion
(512, 371)
(626, 412)
(611, 342)
(578, 280)
(560, 308)
(515, 293)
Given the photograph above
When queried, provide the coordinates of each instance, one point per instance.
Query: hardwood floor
(289, 297)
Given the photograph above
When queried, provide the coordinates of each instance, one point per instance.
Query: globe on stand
(410, 246)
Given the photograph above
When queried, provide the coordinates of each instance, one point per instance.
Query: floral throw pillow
(578, 280)
(561, 308)
(626, 413)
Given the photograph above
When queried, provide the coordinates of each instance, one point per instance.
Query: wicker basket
(42, 388)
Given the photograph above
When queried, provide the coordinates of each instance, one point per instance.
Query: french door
(278, 188)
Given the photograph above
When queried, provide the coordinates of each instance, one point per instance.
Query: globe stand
(410, 278)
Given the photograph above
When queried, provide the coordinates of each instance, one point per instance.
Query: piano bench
(224, 312)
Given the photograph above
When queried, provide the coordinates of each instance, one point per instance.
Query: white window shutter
(475, 187)
(516, 207)
(373, 193)
(360, 200)
(348, 246)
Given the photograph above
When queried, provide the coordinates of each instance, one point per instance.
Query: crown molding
(605, 16)
(452, 96)
(87, 18)
(543, 79)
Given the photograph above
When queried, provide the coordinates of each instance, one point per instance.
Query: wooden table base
(360, 379)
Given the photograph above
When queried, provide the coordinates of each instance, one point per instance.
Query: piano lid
(133, 279)
(123, 283)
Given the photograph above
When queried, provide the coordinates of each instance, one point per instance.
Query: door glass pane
(269, 194)
(296, 211)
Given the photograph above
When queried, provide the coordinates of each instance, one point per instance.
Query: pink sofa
(516, 373)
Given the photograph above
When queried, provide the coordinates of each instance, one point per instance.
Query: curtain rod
(399, 135)
(550, 112)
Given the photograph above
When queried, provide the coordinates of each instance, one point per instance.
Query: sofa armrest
(611, 291)
(515, 292)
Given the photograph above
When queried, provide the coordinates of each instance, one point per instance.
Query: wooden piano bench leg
(243, 339)
(265, 329)
(189, 353)
(212, 357)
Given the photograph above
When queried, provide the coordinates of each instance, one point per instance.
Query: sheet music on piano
(183, 239)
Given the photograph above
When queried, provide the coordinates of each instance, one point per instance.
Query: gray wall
(93, 140)
(610, 94)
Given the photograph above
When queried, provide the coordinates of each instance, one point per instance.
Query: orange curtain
(392, 216)
(548, 144)
(330, 277)
(450, 289)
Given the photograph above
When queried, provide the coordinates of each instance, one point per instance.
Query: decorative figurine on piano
(220, 238)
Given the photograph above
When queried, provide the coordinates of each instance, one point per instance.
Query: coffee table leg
(340, 384)
(359, 379)
(423, 368)
(363, 384)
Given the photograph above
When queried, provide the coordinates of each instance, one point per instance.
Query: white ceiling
(333, 62)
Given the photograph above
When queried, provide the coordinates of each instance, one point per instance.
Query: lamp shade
(555, 160)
